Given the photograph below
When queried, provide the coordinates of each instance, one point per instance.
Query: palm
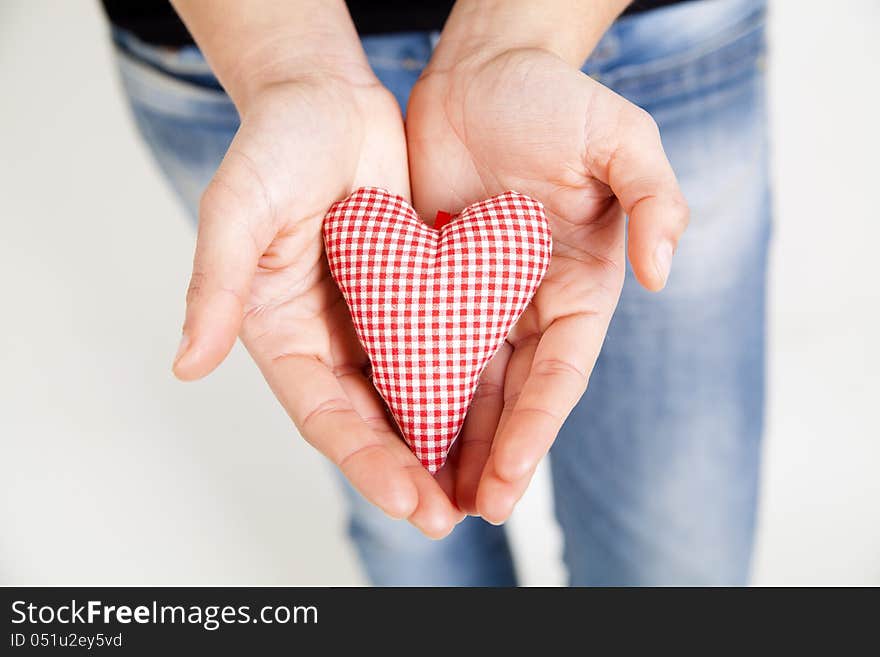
(472, 146)
(301, 148)
(527, 121)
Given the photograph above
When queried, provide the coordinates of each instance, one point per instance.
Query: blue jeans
(655, 473)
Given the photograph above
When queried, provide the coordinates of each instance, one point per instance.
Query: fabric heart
(432, 306)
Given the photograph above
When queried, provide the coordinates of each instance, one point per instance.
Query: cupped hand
(259, 272)
(525, 120)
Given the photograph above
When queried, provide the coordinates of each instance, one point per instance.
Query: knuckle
(223, 210)
(487, 389)
(684, 212)
(680, 212)
(359, 453)
(511, 398)
(211, 202)
(558, 367)
(554, 417)
(643, 120)
(223, 199)
(196, 286)
(324, 410)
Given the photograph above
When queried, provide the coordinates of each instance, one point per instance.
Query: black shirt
(155, 22)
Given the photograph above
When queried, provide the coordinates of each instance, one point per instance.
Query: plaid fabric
(431, 307)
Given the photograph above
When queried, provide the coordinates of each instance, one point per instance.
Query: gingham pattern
(432, 307)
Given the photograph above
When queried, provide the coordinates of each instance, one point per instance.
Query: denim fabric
(655, 473)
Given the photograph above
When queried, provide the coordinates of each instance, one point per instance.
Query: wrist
(269, 64)
(252, 46)
(483, 29)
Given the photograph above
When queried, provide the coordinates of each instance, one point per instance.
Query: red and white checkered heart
(432, 306)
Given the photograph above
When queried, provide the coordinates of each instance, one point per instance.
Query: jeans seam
(632, 73)
(725, 68)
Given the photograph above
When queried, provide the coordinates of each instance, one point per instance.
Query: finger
(445, 479)
(639, 174)
(446, 475)
(491, 490)
(369, 406)
(518, 368)
(479, 428)
(319, 406)
(556, 381)
(434, 514)
(498, 497)
(233, 234)
(490, 487)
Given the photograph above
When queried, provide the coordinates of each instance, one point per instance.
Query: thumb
(642, 179)
(226, 257)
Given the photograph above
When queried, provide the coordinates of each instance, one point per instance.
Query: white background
(111, 472)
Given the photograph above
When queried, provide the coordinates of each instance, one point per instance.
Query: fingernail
(181, 350)
(663, 260)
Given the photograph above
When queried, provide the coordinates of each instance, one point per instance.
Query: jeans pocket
(165, 93)
(731, 56)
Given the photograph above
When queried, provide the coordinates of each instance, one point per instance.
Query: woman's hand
(524, 119)
(312, 130)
